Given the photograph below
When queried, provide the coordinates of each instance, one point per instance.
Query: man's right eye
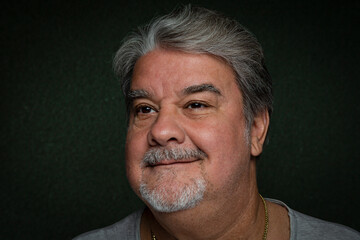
(144, 110)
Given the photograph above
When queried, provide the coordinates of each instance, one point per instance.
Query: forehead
(175, 70)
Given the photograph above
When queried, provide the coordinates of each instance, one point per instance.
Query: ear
(258, 132)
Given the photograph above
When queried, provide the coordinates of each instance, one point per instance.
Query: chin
(168, 199)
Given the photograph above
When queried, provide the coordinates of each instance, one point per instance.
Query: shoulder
(306, 227)
(127, 229)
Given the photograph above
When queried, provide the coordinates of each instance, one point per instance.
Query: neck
(239, 215)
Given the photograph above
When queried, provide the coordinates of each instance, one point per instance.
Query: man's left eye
(196, 105)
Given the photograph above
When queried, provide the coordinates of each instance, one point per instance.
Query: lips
(172, 162)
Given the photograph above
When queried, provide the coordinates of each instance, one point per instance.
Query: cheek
(226, 137)
(135, 149)
(225, 144)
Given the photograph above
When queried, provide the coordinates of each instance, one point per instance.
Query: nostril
(165, 129)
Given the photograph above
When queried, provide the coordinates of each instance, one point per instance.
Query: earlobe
(259, 130)
(256, 147)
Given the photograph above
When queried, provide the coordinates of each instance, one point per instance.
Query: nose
(165, 130)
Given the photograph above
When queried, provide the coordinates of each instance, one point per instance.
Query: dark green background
(63, 124)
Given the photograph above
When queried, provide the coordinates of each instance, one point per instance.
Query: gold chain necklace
(153, 237)
(266, 219)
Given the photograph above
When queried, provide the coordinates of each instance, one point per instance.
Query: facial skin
(189, 101)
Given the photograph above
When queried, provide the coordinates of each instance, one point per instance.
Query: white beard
(169, 199)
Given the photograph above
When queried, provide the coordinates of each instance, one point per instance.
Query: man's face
(190, 103)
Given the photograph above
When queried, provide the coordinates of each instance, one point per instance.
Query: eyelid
(142, 102)
(137, 108)
(204, 104)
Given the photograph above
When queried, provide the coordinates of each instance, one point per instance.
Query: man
(199, 101)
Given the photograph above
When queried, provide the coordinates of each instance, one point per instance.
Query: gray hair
(198, 30)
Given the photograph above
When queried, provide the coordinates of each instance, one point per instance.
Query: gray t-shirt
(302, 227)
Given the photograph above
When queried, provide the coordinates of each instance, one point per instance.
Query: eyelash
(189, 105)
(141, 107)
(200, 105)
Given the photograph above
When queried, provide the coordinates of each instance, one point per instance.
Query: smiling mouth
(172, 162)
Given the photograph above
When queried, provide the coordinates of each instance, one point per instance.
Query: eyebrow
(206, 87)
(140, 93)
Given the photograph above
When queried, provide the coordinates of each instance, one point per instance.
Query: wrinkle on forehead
(161, 73)
(205, 87)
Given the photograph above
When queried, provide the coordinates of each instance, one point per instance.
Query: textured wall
(63, 124)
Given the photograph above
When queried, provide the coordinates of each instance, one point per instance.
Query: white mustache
(157, 155)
